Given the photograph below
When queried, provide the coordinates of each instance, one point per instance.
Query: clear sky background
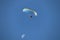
(13, 22)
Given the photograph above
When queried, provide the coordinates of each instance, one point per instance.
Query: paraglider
(22, 36)
(30, 10)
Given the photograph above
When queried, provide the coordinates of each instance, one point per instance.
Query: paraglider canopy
(30, 10)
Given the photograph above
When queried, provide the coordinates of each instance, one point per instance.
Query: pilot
(30, 16)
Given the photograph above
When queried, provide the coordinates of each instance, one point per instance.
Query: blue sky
(45, 26)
